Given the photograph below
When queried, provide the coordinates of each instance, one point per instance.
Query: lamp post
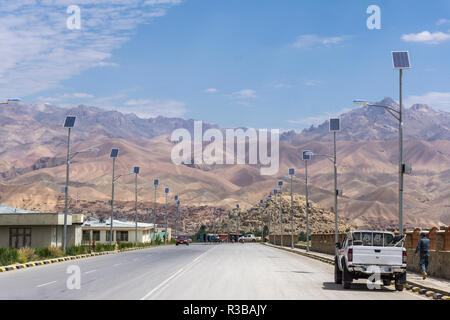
(280, 185)
(214, 221)
(70, 156)
(269, 218)
(166, 191)
(69, 124)
(275, 193)
(155, 184)
(337, 192)
(307, 156)
(114, 154)
(136, 173)
(237, 217)
(401, 62)
(176, 223)
(291, 174)
(261, 202)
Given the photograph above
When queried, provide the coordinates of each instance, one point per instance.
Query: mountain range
(32, 164)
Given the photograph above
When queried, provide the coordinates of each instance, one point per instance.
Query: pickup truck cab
(248, 238)
(364, 253)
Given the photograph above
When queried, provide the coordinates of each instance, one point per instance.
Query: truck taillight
(350, 255)
(405, 257)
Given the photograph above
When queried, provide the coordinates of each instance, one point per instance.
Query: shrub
(26, 254)
(76, 250)
(125, 245)
(8, 256)
(49, 253)
(101, 247)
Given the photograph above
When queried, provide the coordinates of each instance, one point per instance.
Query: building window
(19, 237)
(123, 236)
(107, 235)
(86, 235)
(96, 235)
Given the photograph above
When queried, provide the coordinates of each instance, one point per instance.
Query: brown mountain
(32, 166)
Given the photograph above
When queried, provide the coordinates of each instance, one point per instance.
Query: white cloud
(312, 83)
(440, 100)
(442, 21)
(427, 37)
(312, 40)
(211, 90)
(150, 108)
(245, 94)
(38, 50)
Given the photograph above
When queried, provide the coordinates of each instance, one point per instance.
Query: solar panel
(70, 122)
(237, 206)
(269, 198)
(261, 201)
(291, 172)
(307, 155)
(335, 124)
(166, 190)
(156, 182)
(275, 191)
(401, 59)
(136, 170)
(114, 153)
(176, 198)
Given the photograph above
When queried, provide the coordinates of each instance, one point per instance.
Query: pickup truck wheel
(346, 275)
(337, 273)
(386, 282)
(399, 286)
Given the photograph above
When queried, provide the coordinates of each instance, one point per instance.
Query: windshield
(182, 237)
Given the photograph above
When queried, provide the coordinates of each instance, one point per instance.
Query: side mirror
(338, 245)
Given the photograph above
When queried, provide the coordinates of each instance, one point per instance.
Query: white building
(22, 228)
(124, 231)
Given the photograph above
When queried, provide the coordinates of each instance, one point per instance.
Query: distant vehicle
(183, 240)
(217, 239)
(364, 254)
(248, 238)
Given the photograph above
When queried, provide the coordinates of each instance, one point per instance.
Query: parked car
(248, 238)
(364, 253)
(183, 240)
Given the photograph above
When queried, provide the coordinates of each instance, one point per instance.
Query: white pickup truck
(368, 254)
(248, 238)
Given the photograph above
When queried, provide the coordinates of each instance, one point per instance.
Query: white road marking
(90, 271)
(117, 264)
(173, 276)
(45, 284)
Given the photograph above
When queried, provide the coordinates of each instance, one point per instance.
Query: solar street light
(155, 183)
(69, 124)
(136, 173)
(400, 60)
(166, 191)
(307, 155)
(291, 174)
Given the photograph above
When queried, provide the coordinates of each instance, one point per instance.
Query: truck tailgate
(390, 256)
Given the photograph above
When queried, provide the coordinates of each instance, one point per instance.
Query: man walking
(424, 247)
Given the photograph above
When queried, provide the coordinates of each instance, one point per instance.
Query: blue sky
(254, 63)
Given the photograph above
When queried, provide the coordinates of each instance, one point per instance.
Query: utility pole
(280, 184)
(155, 184)
(136, 172)
(291, 173)
(307, 206)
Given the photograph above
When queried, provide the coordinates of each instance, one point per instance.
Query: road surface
(199, 271)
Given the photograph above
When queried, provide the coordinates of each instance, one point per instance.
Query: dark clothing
(423, 263)
(424, 247)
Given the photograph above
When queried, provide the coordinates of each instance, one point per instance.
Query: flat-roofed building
(23, 228)
(124, 231)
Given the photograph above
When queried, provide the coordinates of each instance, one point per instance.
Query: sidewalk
(436, 285)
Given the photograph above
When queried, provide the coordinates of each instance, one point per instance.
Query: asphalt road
(199, 271)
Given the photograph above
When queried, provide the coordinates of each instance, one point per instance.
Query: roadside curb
(68, 258)
(418, 288)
